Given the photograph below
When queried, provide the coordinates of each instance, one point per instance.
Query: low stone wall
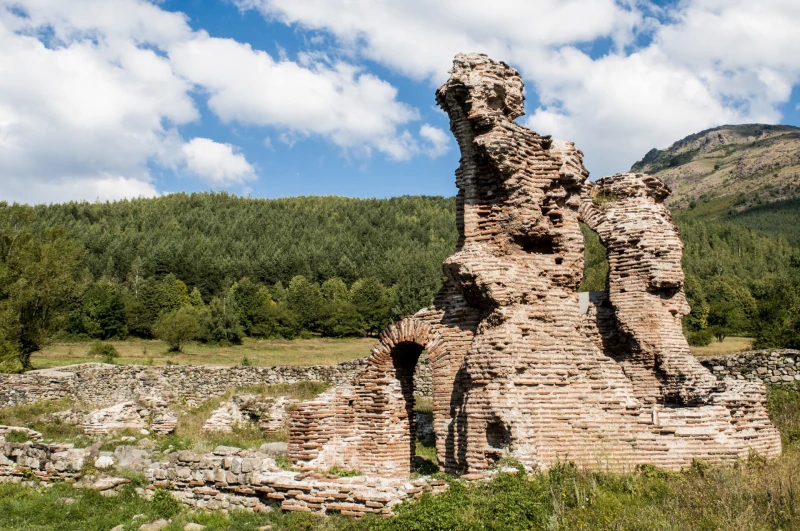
(234, 478)
(228, 478)
(103, 384)
(772, 366)
(45, 462)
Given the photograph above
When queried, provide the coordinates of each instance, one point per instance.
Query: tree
(725, 318)
(41, 273)
(223, 322)
(778, 319)
(279, 322)
(334, 290)
(697, 319)
(341, 320)
(731, 307)
(373, 302)
(154, 297)
(303, 298)
(196, 299)
(250, 300)
(101, 314)
(177, 327)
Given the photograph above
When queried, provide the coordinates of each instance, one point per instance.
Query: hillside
(736, 165)
(336, 266)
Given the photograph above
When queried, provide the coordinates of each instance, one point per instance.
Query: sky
(111, 99)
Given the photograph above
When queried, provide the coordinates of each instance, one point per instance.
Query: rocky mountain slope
(742, 165)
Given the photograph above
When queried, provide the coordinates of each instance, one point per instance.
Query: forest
(214, 267)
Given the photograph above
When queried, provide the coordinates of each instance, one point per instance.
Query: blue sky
(108, 99)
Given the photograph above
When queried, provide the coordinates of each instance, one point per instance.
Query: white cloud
(350, 107)
(617, 108)
(438, 140)
(709, 62)
(216, 163)
(96, 88)
(81, 117)
(420, 38)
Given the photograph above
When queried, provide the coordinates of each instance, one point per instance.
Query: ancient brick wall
(646, 287)
(518, 368)
(368, 425)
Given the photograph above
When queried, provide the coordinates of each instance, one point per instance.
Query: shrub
(703, 338)
(16, 436)
(245, 362)
(164, 504)
(103, 350)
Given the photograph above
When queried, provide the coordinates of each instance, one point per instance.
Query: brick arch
(368, 424)
(407, 330)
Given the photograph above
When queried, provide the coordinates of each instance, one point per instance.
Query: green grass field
(317, 351)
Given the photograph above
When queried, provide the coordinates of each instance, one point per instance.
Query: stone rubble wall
(46, 462)
(228, 478)
(234, 478)
(105, 385)
(146, 413)
(779, 367)
(27, 432)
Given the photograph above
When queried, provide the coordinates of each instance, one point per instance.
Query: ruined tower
(520, 367)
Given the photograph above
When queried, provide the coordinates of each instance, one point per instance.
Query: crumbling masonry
(522, 364)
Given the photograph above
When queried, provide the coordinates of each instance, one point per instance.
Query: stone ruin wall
(776, 367)
(227, 478)
(518, 369)
(102, 384)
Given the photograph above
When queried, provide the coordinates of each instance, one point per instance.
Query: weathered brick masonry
(519, 367)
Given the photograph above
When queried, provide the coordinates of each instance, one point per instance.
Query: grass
(34, 416)
(720, 348)
(262, 352)
(423, 404)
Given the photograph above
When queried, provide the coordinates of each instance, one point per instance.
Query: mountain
(736, 167)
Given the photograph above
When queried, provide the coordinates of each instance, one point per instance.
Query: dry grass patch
(721, 348)
(261, 352)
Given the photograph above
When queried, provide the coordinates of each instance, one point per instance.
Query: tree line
(214, 267)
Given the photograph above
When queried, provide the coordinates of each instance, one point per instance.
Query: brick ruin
(522, 365)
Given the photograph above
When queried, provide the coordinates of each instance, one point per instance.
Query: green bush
(107, 351)
(703, 338)
(16, 436)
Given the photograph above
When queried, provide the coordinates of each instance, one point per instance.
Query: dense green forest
(215, 267)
